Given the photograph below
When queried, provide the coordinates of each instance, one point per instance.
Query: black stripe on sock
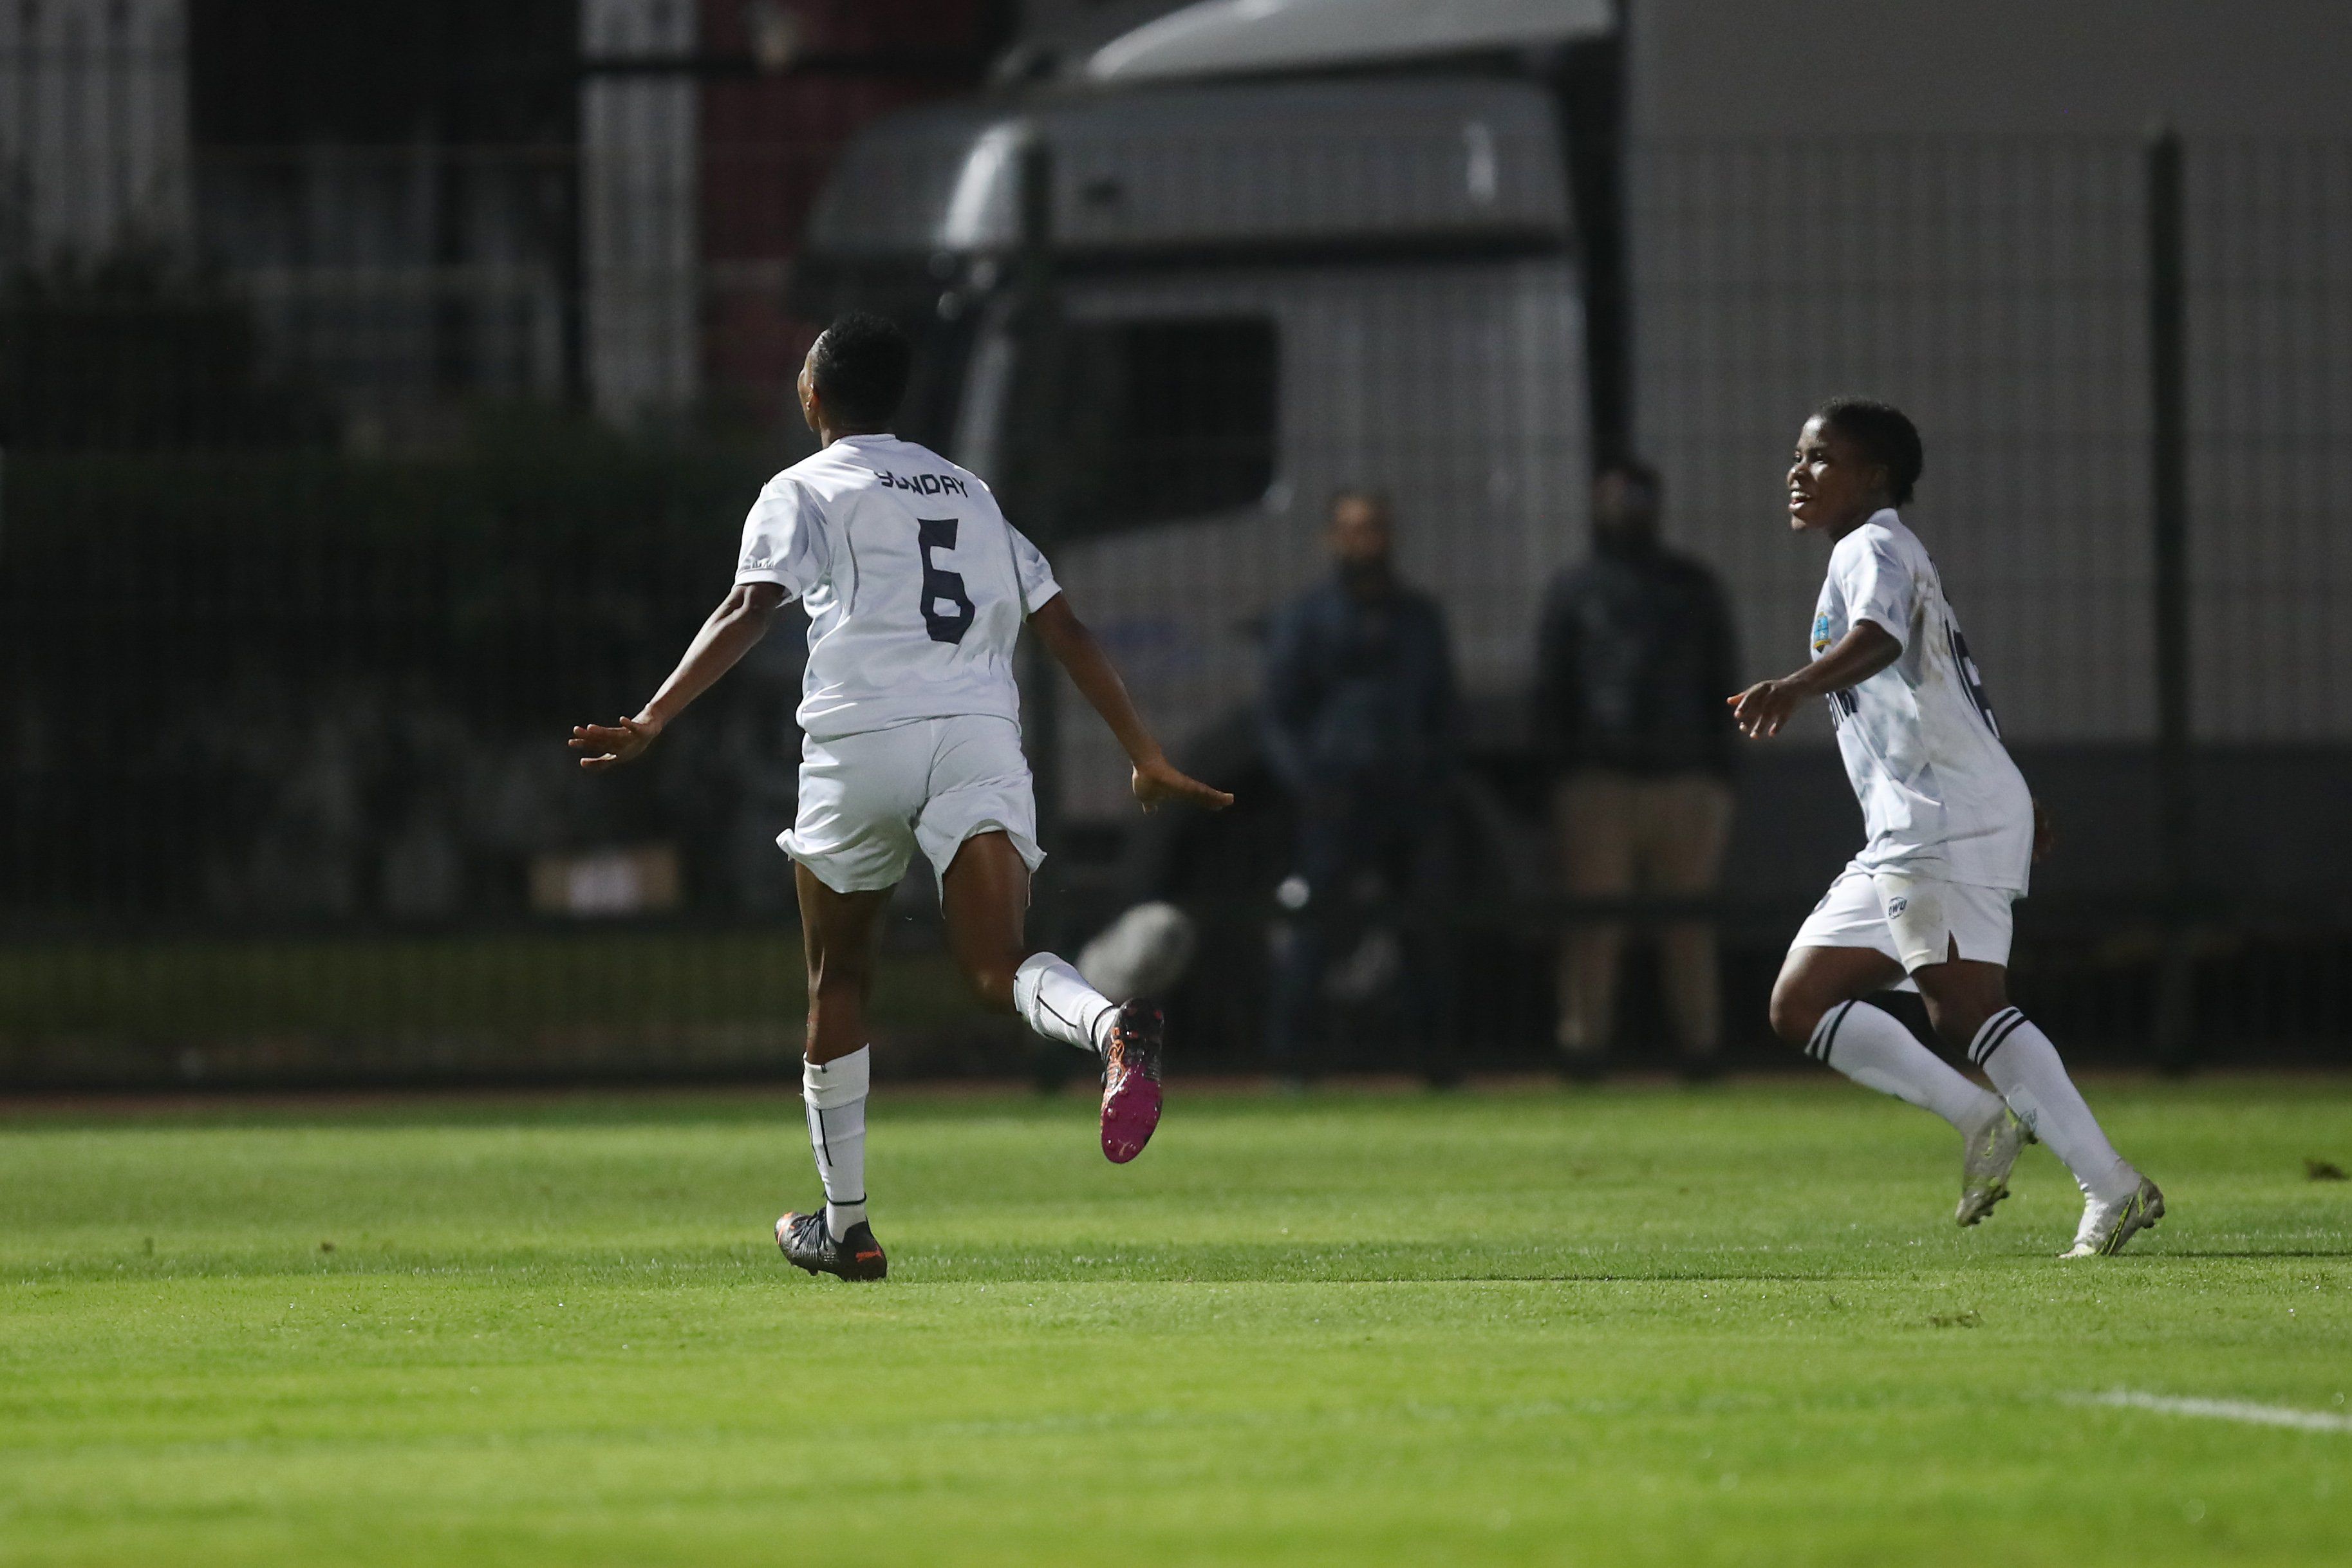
(2010, 1022)
(1070, 1024)
(823, 1143)
(1980, 1048)
(1827, 1035)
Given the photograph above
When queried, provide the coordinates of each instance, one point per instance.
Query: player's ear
(805, 389)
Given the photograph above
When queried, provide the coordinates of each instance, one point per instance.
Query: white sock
(1871, 1047)
(2024, 1066)
(1056, 1001)
(834, 1094)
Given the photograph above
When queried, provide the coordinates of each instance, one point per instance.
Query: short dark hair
(1885, 435)
(860, 365)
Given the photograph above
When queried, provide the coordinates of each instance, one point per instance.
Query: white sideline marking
(2223, 1410)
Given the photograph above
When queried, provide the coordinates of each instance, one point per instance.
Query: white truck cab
(1293, 247)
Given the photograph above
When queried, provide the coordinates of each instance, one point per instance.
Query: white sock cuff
(1057, 1002)
(1825, 1032)
(840, 1082)
(1871, 1046)
(1028, 977)
(1996, 1032)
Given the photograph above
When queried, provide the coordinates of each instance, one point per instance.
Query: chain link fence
(313, 542)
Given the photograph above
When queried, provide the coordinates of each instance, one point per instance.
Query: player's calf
(835, 1096)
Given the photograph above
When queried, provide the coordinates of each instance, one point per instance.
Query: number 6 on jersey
(942, 587)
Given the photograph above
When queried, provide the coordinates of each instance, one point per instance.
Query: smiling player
(1952, 833)
(917, 589)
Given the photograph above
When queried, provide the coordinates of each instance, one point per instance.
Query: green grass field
(1646, 1326)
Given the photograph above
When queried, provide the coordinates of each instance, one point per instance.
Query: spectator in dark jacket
(1635, 657)
(1357, 721)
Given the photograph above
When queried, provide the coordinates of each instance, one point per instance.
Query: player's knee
(991, 979)
(1956, 1023)
(1960, 998)
(1794, 1015)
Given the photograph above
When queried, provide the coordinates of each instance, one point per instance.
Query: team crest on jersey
(1822, 632)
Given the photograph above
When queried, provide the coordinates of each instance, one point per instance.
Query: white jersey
(916, 587)
(1940, 797)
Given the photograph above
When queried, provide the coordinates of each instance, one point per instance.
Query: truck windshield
(1164, 418)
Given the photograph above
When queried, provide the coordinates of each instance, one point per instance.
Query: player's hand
(603, 747)
(1158, 779)
(2045, 833)
(1763, 707)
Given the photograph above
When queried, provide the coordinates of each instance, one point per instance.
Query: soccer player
(917, 589)
(1952, 831)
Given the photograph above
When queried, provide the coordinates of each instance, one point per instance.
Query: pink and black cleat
(1130, 1106)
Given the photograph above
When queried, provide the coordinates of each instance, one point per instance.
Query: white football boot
(2107, 1226)
(1986, 1156)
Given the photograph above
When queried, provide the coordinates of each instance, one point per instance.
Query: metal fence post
(1038, 497)
(1039, 492)
(2168, 331)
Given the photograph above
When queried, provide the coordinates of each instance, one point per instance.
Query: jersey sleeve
(1036, 573)
(1876, 583)
(784, 541)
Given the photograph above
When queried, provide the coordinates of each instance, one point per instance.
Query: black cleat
(809, 1244)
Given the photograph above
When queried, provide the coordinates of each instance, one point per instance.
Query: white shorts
(869, 801)
(1914, 920)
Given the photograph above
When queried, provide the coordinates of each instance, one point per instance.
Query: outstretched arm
(740, 620)
(1091, 672)
(1763, 707)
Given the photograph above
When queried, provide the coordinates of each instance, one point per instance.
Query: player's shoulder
(829, 471)
(1884, 537)
(788, 494)
(817, 477)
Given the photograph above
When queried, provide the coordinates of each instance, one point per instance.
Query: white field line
(2223, 1410)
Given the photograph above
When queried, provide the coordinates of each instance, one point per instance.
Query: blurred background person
(1357, 721)
(1634, 655)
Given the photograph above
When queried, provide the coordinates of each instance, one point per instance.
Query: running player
(917, 589)
(1952, 831)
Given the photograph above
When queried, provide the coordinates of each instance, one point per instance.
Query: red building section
(769, 138)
